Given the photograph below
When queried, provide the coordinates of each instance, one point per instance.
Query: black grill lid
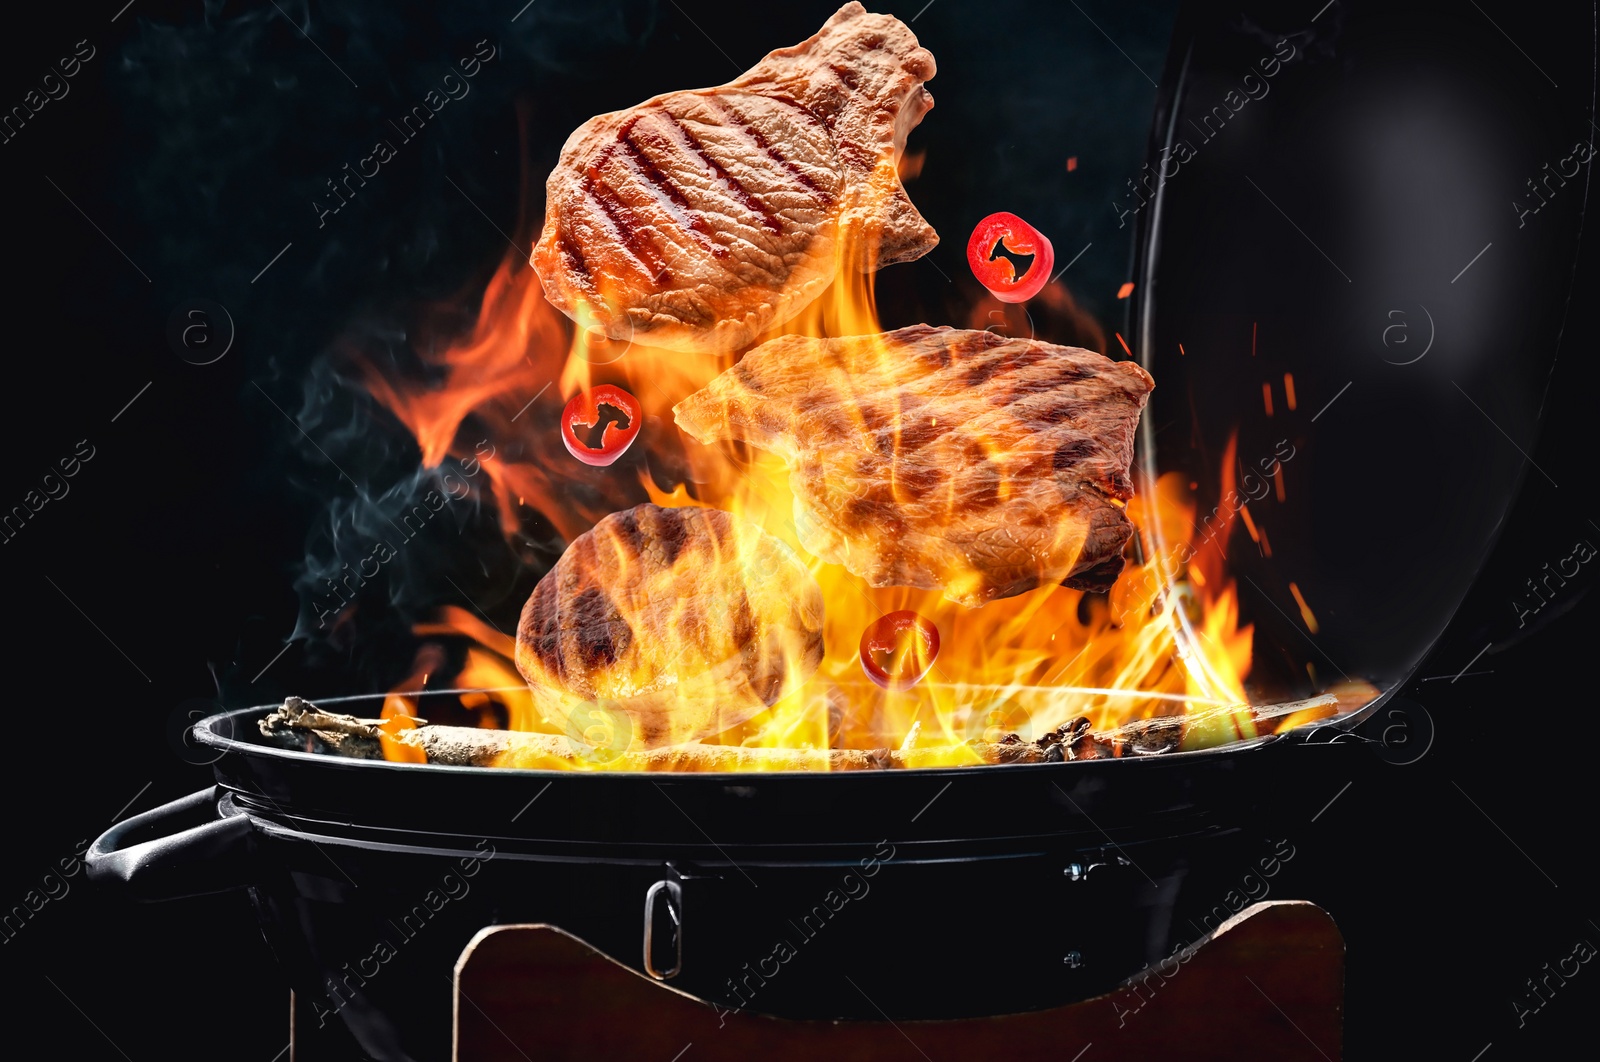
(1350, 204)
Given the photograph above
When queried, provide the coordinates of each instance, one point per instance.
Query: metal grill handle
(670, 895)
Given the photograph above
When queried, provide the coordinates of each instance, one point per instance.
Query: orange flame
(1165, 640)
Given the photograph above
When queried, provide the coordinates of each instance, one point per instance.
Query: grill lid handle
(665, 899)
(179, 849)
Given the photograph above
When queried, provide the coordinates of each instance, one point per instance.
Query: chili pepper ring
(1003, 232)
(583, 410)
(898, 649)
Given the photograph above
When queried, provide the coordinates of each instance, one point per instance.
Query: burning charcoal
(302, 725)
(1012, 749)
(1091, 747)
(1152, 737)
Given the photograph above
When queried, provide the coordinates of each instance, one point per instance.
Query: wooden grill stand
(1268, 984)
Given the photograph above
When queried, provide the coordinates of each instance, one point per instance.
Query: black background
(187, 154)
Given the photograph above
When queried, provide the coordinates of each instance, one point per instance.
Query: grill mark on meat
(882, 422)
(882, 441)
(684, 619)
(627, 538)
(801, 111)
(982, 372)
(1012, 488)
(823, 122)
(621, 222)
(602, 637)
(1059, 414)
(922, 479)
(546, 643)
(822, 195)
(771, 178)
(686, 214)
(920, 432)
(983, 491)
(935, 358)
(744, 623)
(877, 511)
(573, 256)
(621, 215)
(1011, 361)
(1070, 452)
(672, 537)
(548, 648)
(769, 220)
(971, 345)
(908, 419)
(833, 422)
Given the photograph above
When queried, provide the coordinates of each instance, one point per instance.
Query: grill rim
(207, 731)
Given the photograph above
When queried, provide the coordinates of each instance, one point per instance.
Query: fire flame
(1165, 640)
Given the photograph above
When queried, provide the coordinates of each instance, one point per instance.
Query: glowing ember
(1126, 290)
(1305, 609)
(1249, 524)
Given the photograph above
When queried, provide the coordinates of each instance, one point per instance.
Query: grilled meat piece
(942, 458)
(680, 623)
(697, 220)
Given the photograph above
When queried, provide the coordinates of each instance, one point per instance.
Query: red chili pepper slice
(897, 650)
(583, 411)
(987, 257)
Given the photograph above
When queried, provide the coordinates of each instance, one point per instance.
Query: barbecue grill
(1289, 235)
(929, 870)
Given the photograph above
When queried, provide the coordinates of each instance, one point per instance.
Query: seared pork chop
(942, 458)
(697, 220)
(688, 621)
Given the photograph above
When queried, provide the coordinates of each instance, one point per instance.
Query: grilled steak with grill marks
(697, 220)
(686, 621)
(942, 458)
